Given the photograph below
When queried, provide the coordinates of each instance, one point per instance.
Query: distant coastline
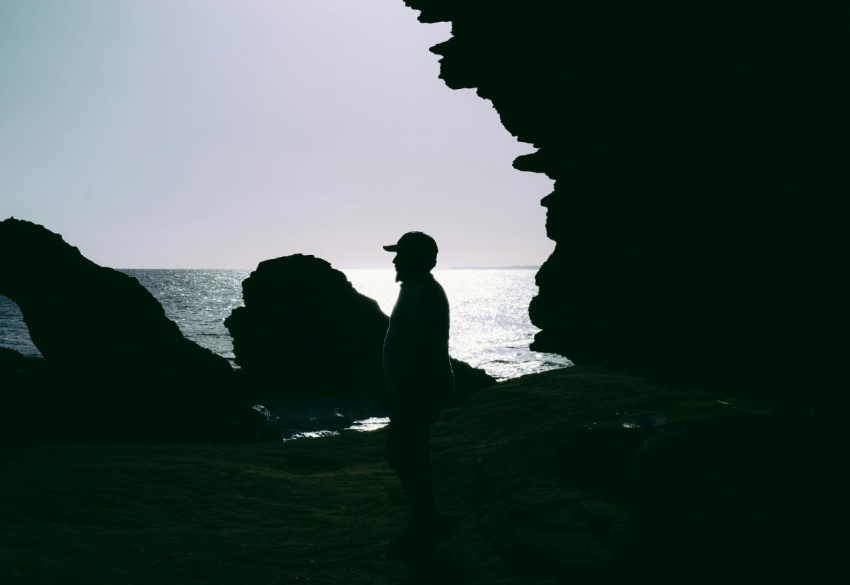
(494, 268)
(523, 267)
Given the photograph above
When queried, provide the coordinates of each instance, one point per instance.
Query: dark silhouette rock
(22, 379)
(467, 380)
(120, 367)
(700, 207)
(14, 363)
(306, 332)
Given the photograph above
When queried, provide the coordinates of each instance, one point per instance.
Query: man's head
(416, 254)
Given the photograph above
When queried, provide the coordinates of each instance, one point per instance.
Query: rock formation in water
(121, 367)
(700, 156)
(305, 331)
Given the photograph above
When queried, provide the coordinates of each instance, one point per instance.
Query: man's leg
(408, 453)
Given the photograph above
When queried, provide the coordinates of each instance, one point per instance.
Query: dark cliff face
(700, 153)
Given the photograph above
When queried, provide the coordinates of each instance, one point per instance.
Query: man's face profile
(402, 267)
(409, 265)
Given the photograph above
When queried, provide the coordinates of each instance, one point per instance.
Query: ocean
(490, 328)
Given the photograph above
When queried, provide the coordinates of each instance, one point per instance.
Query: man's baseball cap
(414, 243)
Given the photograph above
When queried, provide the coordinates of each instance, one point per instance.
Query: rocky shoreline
(299, 313)
(576, 475)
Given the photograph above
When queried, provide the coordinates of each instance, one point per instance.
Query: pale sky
(220, 133)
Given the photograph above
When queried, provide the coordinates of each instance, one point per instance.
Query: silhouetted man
(418, 376)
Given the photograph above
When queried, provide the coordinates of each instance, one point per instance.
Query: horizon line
(511, 267)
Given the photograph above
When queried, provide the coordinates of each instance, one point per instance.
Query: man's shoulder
(434, 287)
(426, 283)
(423, 292)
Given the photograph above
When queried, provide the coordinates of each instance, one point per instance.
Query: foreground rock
(118, 367)
(22, 383)
(700, 207)
(572, 476)
(305, 331)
